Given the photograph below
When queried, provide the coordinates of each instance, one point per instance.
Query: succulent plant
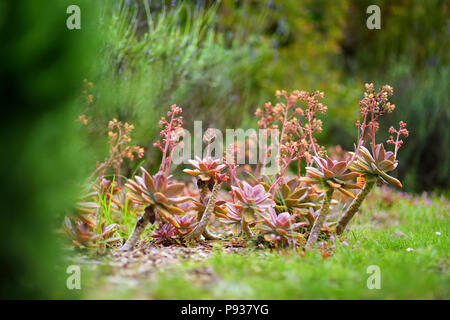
(280, 227)
(295, 197)
(84, 228)
(253, 199)
(84, 235)
(205, 169)
(373, 168)
(233, 217)
(208, 173)
(159, 195)
(85, 211)
(250, 201)
(330, 174)
(187, 224)
(164, 233)
(200, 208)
(211, 204)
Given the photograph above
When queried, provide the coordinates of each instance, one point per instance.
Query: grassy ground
(406, 238)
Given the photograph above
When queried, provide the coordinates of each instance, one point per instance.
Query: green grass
(384, 232)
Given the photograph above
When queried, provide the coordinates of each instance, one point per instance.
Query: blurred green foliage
(221, 60)
(151, 59)
(42, 64)
(410, 52)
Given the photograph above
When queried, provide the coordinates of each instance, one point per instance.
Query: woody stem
(200, 228)
(354, 207)
(318, 223)
(139, 228)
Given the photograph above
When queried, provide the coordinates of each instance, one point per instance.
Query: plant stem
(139, 228)
(203, 193)
(354, 206)
(200, 228)
(209, 235)
(246, 229)
(318, 223)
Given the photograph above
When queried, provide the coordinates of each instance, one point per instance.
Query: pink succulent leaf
(283, 219)
(174, 189)
(330, 163)
(339, 168)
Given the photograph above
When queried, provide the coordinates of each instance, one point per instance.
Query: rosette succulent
(209, 177)
(330, 175)
(164, 233)
(377, 165)
(253, 199)
(159, 195)
(293, 196)
(373, 168)
(187, 224)
(85, 235)
(205, 170)
(84, 228)
(280, 227)
(233, 217)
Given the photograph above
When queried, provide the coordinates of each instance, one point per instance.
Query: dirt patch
(130, 267)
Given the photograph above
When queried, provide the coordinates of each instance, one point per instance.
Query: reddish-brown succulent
(331, 174)
(293, 195)
(233, 217)
(186, 224)
(253, 199)
(164, 233)
(280, 227)
(375, 166)
(205, 169)
(158, 193)
(85, 229)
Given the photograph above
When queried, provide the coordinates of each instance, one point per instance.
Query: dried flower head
(119, 138)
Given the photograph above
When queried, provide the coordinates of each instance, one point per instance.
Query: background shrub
(221, 61)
